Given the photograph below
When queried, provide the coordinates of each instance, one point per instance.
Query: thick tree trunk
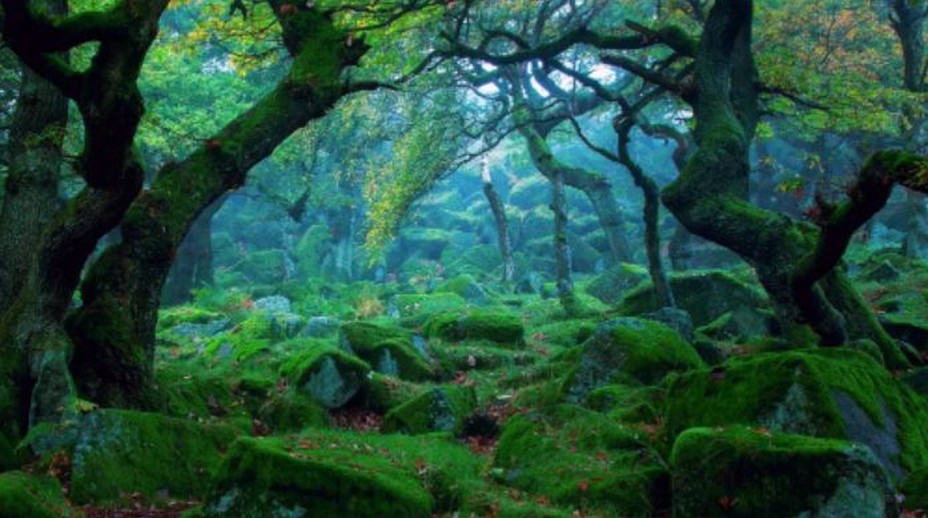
(31, 190)
(193, 265)
(565, 284)
(498, 208)
(710, 198)
(114, 331)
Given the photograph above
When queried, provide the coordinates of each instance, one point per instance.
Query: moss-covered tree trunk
(562, 268)
(114, 331)
(193, 263)
(111, 107)
(31, 189)
(498, 208)
(711, 198)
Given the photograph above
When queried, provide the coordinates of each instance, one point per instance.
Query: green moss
(611, 285)
(120, 452)
(503, 328)
(311, 352)
(915, 489)
(441, 409)
(171, 317)
(565, 333)
(744, 472)
(465, 287)
(415, 304)
(33, 496)
(7, 455)
(292, 411)
(383, 393)
(808, 392)
(581, 458)
(388, 349)
(628, 350)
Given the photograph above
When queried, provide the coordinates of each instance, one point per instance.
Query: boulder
(321, 327)
(832, 393)
(441, 409)
(121, 451)
(389, 350)
(324, 371)
(749, 472)
(466, 287)
(628, 350)
(33, 496)
(501, 327)
(611, 285)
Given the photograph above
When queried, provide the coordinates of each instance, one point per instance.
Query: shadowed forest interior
(489, 258)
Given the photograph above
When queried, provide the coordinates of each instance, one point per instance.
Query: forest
(463, 258)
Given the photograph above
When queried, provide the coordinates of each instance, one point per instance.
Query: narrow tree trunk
(193, 265)
(31, 190)
(916, 236)
(502, 225)
(565, 284)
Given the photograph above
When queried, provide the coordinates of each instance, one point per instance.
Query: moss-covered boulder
(915, 489)
(744, 472)
(267, 477)
(581, 458)
(466, 287)
(565, 333)
(611, 285)
(441, 409)
(120, 451)
(740, 323)
(628, 350)
(705, 295)
(410, 304)
(25, 495)
(324, 371)
(834, 393)
(389, 350)
(501, 327)
(291, 411)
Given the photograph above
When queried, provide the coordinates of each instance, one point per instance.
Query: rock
(466, 287)
(428, 242)
(321, 327)
(33, 496)
(193, 331)
(502, 328)
(706, 296)
(577, 457)
(833, 393)
(882, 272)
(389, 350)
(121, 451)
(628, 350)
(611, 285)
(415, 304)
(263, 267)
(918, 380)
(292, 411)
(261, 478)
(285, 326)
(677, 319)
(915, 489)
(273, 304)
(744, 472)
(739, 324)
(909, 330)
(325, 372)
(441, 409)
(531, 284)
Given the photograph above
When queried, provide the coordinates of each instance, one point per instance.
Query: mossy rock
(628, 350)
(479, 355)
(7, 455)
(427, 303)
(466, 287)
(565, 333)
(740, 323)
(705, 295)
(581, 458)
(503, 328)
(384, 393)
(833, 393)
(476, 260)
(915, 489)
(627, 404)
(121, 451)
(33, 496)
(263, 267)
(429, 242)
(324, 371)
(177, 315)
(441, 409)
(389, 350)
(293, 411)
(267, 477)
(745, 472)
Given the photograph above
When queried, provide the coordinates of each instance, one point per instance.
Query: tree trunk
(31, 191)
(498, 208)
(565, 284)
(193, 266)
(114, 331)
(916, 235)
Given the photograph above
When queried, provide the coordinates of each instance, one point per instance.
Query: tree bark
(498, 208)
(114, 331)
(31, 190)
(565, 284)
(193, 264)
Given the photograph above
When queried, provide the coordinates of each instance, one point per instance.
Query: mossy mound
(611, 285)
(292, 411)
(705, 295)
(503, 328)
(324, 371)
(834, 393)
(744, 472)
(389, 350)
(915, 489)
(466, 287)
(565, 333)
(7, 455)
(479, 355)
(581, 458)
(628, 350)
(119, 452)
(441, 409)
(177, 315)
(384, 393)
(268, 477)
(739, 324)
(410, 304)
(24, 495)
